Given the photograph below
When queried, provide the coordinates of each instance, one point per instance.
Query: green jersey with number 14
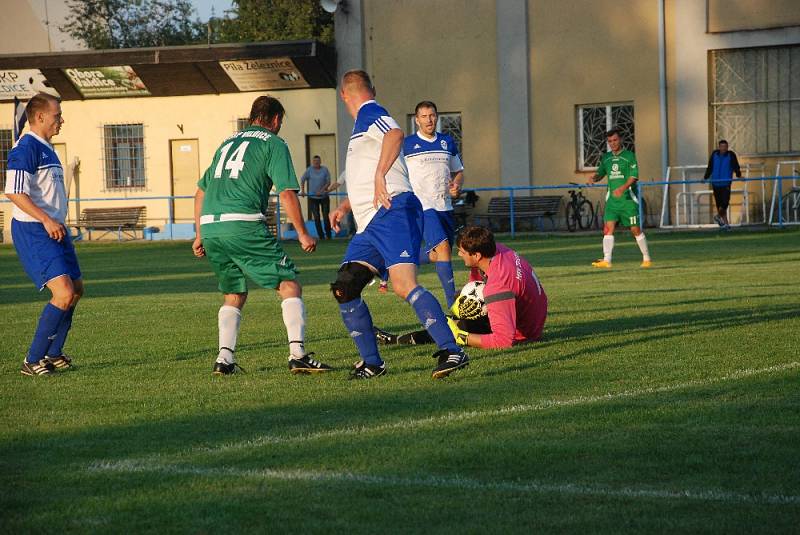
(238, 182)
(619, 168)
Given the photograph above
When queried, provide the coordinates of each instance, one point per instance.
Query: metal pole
(278, 218)
(170, 208)
(641, 207)
(511, 211)
(780, 201)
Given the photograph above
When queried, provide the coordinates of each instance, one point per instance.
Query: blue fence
(653, 192)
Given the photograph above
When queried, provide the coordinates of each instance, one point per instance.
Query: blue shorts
(438, 227)
(42, 257)
(392, 237)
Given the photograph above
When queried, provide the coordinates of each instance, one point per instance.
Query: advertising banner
(104, 82)
(23, 84)
(261, 74)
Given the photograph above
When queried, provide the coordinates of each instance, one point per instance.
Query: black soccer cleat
(43, 367)
(384, 338)
(367, 371)
(223, 368)
(307, 365)
(449, 362)
(61, 362)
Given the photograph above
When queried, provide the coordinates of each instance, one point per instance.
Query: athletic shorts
(42, 257)
(392, 237)
(257, 255)
(437, 227)
(622, 211)
(722, 196)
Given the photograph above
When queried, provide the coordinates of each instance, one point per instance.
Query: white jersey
(363, 154)
(34, 169)
(430, 164)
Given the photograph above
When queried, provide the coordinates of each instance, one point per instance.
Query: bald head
(357, 81)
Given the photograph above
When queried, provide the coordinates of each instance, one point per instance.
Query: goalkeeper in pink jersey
(515, 302)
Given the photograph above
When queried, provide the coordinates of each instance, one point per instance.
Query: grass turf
(659, 400)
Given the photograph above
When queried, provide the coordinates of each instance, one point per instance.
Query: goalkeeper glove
(460, 335)
(466, 308)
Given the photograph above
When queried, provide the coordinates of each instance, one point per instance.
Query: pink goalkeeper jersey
(515, 300)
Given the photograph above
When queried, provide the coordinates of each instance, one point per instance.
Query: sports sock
(228, 318)
(294, 317)
(358, 321)
(56, 348)
(46, 332)
(608, 247)
(432, 318)
(641, 241)
(445, 272)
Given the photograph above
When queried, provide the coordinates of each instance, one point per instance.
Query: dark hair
(316, 157)
(474, 239)
(721, 141)
(38, 102)
(359, 78)
(426, 104)
(265, 108)
(613, 132)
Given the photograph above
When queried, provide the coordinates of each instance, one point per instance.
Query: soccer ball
(473, 292)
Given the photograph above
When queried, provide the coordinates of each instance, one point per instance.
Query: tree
(133, 23)
(274, 20)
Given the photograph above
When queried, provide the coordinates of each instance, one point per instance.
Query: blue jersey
(430, 165)
(35, 170)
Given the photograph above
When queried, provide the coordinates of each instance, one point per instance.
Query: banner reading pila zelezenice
(103, 82)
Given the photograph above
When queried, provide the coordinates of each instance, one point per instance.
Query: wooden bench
(124, 220)
(498, 213)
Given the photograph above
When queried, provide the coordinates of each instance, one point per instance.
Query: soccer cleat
(384, 338)
(43, 367)
(601, 264)
(61, 362)
(718, 221)
(223, 368)
(367, 371)
(449, 362)
(307, 365)
(646, 264)
(383, 287)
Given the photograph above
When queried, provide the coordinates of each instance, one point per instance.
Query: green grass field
(659, 401)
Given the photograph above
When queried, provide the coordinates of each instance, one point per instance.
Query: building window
(755, 99)
(6, 143)
(594, 121)
(242, 123)
(447, 123)
(124, 155)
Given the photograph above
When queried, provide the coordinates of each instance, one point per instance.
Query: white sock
(608, 247)
(228, 320)
(294, 317)
(642, 243)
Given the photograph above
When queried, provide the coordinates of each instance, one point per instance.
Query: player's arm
(502, 311)
(339, 213)
(390, 150)
(456, 183)
(23, 201)
(632, 179)
(197, 245)
(291, 204)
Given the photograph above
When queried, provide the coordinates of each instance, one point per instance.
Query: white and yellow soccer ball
(470, 302)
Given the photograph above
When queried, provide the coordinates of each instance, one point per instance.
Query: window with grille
(124, 156)
(242, 123)
(6, 143)
(446, 123)
(594, 121)
(755, 99)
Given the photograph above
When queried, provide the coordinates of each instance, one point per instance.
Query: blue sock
(45, 332)
(445, 272)
(57, 345)
(432, 318)
(358, 321)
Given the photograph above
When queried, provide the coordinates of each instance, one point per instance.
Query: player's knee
(288, 289)
(235, 300)
(63, 300)
(350, 281)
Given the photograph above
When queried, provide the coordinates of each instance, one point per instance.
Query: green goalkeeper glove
(461, 336)
(466, 308)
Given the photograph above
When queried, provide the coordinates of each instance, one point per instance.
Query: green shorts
(623, 211)
(257, 255)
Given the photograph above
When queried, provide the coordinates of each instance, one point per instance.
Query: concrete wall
(23, 27)
(734, 15)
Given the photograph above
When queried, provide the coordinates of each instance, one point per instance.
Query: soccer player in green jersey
(229, 207)
(622, 198)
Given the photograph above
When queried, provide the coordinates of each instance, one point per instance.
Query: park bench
(124, 220)
(498, 213)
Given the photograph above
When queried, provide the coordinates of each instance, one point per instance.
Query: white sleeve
(382, 124)
(455, 164)
(18, 181)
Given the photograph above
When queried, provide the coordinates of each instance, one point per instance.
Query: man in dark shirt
(721, 166)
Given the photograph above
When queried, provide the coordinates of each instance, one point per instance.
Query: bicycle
(580, 212)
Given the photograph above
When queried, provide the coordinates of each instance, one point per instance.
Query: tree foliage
(274, 20)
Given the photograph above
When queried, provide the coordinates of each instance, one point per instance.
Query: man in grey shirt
(319, 181)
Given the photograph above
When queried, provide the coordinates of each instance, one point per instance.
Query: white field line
(450, 483)
(451, 417)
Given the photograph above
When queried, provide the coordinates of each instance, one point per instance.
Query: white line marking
(458, 483)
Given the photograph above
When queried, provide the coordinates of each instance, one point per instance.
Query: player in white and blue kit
(436, 174)
(35, 184)
(389, 220)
